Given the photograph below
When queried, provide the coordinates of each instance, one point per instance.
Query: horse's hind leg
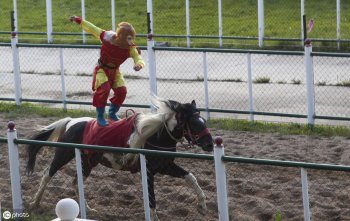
(61, 158)
(38, 195)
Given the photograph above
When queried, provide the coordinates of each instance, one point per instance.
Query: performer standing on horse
(116, 48)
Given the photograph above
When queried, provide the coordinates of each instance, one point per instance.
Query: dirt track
(255, 192)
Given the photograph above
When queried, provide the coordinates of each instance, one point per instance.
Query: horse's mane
(150, 123)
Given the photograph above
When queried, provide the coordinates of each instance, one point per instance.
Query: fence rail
(218, 71)
(261, 17)
(221, 162)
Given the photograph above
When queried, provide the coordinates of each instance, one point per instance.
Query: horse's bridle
(191, 136)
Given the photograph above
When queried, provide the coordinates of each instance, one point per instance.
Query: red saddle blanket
(116, 133)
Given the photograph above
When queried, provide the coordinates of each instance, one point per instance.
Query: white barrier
(68, 210)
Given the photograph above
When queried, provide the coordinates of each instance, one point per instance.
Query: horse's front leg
(177, 171)
(151, 195)
(192, 182)
(77, 193)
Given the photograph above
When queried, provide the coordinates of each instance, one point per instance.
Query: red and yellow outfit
(106, 74)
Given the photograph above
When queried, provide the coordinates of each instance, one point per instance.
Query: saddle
(115, 134)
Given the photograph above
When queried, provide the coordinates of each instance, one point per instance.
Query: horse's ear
(174, 105)
(194, 103)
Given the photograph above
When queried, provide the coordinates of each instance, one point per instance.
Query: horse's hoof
(92, 210)
(202, 208)
(33, 205)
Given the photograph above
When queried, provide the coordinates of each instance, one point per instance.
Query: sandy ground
(255, 192)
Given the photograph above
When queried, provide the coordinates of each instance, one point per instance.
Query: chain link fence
(255, 192)
(201, 25)
(278, 80)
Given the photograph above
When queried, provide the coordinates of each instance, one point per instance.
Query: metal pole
(151, 53)
(150, 16)
(338, 23)
(63, 84)
(49, 20)
(14, 169)
(188, 23)
(145, 187)
(15, 19)
(305, 192)
(206, 91)
(15, 60)
(250, 87)
(310, 88)
(302, 13)
(83, 17)
(220, 173)
(220, 22)
(261, 22)
(113, 14)
(80, 183)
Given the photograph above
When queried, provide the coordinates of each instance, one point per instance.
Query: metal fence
(267, 23)
(256, 188)
(248, 84)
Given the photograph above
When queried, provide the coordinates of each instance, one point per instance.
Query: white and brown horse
(160, 131)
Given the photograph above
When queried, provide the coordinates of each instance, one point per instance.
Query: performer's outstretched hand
(75, 19)
(137, 67)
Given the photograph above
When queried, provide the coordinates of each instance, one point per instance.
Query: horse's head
(194, 126)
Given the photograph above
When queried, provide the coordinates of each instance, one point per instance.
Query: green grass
(13, 111)
(239, 18)
(281, 128)
(262, 80)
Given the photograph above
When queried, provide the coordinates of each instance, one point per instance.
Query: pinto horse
(161, 131)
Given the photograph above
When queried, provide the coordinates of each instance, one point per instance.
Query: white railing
(220, 172)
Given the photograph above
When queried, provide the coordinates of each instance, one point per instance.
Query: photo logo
(6, 215)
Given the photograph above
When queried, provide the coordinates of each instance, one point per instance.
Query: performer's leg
(118, 98)
(102, 88)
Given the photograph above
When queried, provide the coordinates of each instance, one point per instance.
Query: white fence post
(206, 90)
(302, 13)
(220, 174)
(113, 14)
(250, 87)
(80, 183)
(83, 17)
(49, 21)
(15, 17)
(310, 87)
(16, 69)
(338, 23)
(220, 22)
(63, 83)
(188, 23)
(261, 27)
(144, 178)
(305, 192)
(14, 169)
(151, 54)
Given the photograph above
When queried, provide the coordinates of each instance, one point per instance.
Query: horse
(154, 131)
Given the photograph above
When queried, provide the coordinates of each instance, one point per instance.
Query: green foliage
(278, 216)
(296, 81)
(262, 80)
(13, 111)
(239, 18)
(344, 83)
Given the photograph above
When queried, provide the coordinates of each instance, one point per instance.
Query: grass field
(14, 112)
(239, 18)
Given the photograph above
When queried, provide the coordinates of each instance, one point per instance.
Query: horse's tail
(49, 133)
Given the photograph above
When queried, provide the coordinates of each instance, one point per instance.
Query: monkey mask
(125, 35)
